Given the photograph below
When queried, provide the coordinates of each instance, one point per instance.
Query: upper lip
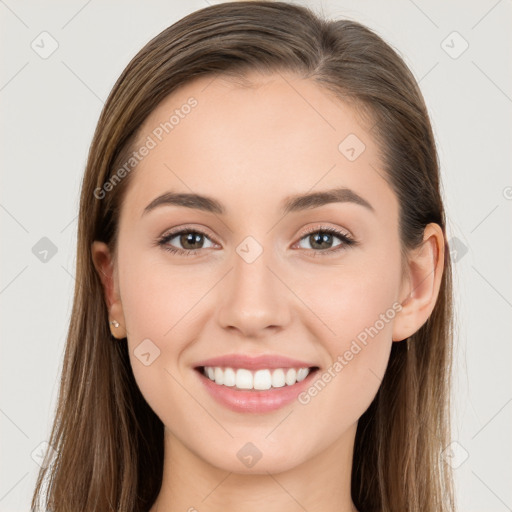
(270, 361)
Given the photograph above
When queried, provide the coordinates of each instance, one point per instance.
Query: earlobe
(103, 262)
(421, 288)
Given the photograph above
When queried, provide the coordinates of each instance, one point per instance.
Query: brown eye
(324, 240)
(320, 240)
(191, 241)
(185, 241)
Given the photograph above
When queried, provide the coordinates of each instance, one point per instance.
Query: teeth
(262, 380)
(219, 376)
(243, 379)
(278, 379)
(291, 377)
(259, 380)
(302, 374)
(229, 377)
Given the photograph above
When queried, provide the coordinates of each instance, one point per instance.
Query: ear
(104, 264)
(420, 289)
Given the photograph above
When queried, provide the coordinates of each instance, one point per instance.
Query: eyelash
(347, 241)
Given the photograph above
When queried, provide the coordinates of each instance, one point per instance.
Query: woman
(262, 315)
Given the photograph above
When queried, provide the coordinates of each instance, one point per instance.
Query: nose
(252, 299)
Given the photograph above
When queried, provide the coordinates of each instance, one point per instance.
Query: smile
(255, 391)
(259, 380)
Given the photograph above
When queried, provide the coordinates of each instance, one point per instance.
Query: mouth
(256, 391)
(263, 379)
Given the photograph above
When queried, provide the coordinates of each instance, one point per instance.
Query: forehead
(252, 144)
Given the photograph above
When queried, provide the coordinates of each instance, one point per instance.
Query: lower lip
(255, 401)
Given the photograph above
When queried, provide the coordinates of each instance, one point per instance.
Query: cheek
(156, 303)
(357, 307)
(353, 297)
(158, 298)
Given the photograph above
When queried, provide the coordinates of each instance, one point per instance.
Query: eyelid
(188, 228)
(314, 229)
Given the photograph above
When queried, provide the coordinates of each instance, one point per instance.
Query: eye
(190, 240)
(321, 240)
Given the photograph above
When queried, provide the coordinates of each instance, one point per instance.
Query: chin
(257, 457)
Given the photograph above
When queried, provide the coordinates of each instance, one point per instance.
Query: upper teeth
(260, 379)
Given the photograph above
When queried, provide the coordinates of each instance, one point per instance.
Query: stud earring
(115, 323)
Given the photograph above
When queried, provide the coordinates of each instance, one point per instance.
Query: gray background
(49, 110)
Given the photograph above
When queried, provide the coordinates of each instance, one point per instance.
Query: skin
(250, 147)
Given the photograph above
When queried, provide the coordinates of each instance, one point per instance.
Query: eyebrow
(290, 204)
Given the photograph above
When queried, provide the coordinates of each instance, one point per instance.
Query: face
(316, 285)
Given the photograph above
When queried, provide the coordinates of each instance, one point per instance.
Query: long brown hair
(108, 442)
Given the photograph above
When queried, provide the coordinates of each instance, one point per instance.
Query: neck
(319, 484)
